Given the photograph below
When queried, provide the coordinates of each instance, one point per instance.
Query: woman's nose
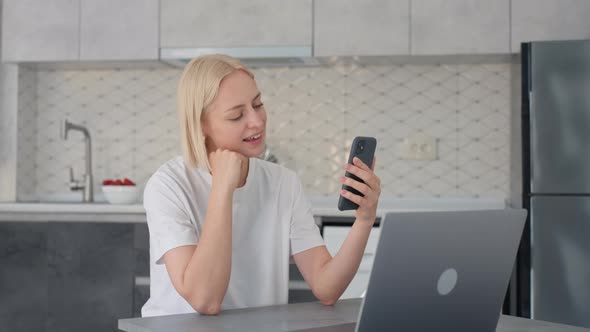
(255, 118)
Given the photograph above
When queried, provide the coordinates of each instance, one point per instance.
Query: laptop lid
(441, 271)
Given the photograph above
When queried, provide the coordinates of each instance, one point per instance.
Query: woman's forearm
(338, 272)
(207, 274)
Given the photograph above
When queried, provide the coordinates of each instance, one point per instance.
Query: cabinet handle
(298, 285)
(142, 281)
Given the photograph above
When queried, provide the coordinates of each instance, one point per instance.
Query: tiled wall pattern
(314, 112)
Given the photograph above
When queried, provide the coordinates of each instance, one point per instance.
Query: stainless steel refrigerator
(554, 260)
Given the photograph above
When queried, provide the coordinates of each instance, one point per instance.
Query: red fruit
(118, 182)
(127, 182)
(108, 182)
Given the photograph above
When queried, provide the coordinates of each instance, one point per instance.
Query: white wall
(8, 131)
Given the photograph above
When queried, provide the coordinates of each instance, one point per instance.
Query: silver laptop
(439, 271)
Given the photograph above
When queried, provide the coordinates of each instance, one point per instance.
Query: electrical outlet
(418, 146)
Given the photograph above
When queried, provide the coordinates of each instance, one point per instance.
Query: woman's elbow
(325, 296)
(207, 309)
(326, 299)
(329, 302)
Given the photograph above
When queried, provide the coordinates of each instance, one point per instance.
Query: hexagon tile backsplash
(314, 112)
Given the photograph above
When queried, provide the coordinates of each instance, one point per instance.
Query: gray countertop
(292, 317)
(321, 206)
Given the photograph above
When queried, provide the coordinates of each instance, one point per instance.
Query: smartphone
(364, 149)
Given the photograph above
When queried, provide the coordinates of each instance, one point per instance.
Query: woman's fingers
(360, 164)
(360, 201)
(371, 189)
(369, 197)
(366, 175)
(361, 187)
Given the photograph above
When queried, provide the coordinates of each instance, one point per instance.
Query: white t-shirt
(271, 221)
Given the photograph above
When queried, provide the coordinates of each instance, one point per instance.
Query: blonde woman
(224, 224)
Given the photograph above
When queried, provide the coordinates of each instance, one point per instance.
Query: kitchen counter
(74, 212)
(292, 317)
(321, 206)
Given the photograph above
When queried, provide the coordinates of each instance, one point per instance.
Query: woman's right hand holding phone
(371, 190)
(226, 168)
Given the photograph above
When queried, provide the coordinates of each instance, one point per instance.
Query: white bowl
(120, 194)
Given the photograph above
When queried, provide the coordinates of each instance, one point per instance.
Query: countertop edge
(322, 207)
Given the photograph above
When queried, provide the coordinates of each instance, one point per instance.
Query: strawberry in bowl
(120, 191)
(118, 182)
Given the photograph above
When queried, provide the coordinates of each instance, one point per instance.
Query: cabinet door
(40, 30)
(460, 26)
(534, 20)
(91, 272)
(213, 23)
(141, 290)
(119, 30)
(373, 27)
(23, 276)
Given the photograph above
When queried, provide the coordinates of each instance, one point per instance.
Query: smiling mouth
(253, 138)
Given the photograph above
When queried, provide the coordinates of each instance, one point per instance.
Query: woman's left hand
(371, 189)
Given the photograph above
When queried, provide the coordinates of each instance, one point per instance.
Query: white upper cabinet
(40, 30)
(352, 27)
(73, 30)
(460, 26)
(251, 23)
(534, 20)
(119, 30)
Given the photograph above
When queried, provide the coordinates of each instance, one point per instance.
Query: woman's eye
(258, 106)
(236, 119)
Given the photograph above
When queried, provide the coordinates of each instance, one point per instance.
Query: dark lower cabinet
(90, 275)
(301, 295)
(141, 292)
(66, 276)
(23, 276)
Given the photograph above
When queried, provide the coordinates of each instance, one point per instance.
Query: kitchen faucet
(86, 184)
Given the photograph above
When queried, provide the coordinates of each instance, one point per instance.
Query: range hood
(260, 56)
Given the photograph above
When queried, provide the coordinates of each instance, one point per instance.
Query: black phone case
(367, 157)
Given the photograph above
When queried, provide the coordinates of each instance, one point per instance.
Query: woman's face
(236, 120)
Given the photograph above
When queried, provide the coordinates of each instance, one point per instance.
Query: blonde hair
(198, 86)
